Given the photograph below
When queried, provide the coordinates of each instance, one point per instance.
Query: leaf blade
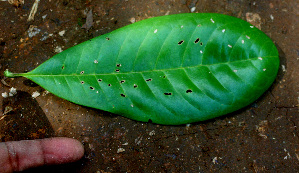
(171, 70)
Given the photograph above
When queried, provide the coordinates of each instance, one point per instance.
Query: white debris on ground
(120, 150)
(193, 9)
(4, 95)
(138, 140)
(271, 17)
(283, 68)
(89, 20)
(58, 49)
(262, 128)
(44, 16)
(152, 133)
(254, 19)
(133, 20)
(33, 11)
(214, 160)
(33, 31)
(12, 92)
(35, 94)
(61, 33)
(45, 93)
(16, 3)
(45, 36)
(192, 5)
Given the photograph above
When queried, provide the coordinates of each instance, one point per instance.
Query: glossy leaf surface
(169, 70)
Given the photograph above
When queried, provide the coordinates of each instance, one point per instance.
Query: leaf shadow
(30, 83)
(283, 62)
(23, 119)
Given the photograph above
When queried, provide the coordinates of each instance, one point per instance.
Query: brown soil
(262, 137)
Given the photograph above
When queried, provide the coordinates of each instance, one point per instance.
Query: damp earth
(262, 137)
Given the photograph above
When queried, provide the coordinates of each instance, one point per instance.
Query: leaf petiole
(10, 74)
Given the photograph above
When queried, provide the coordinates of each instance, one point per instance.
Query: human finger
(20, 155)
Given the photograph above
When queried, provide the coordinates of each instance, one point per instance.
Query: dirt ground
(262, 137)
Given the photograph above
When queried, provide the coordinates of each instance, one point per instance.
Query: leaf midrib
(155, 70)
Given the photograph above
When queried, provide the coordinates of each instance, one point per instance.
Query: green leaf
(173, 69)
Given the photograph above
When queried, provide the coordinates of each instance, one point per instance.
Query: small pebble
(193, 9)
(120, 150)
(61, 33)
(12, 91)
(133, 20)
(35, 94)
(4, 95)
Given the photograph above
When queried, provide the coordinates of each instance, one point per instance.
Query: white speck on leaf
(235, 71)
(156, 31)
(200, 51)
(260, 58)
(230, 46)
(247, 37)
(212, 20)
(264, 69)
(95, 61)
(243, 41)
(223, 30)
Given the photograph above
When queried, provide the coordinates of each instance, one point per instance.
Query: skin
(21, 155)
